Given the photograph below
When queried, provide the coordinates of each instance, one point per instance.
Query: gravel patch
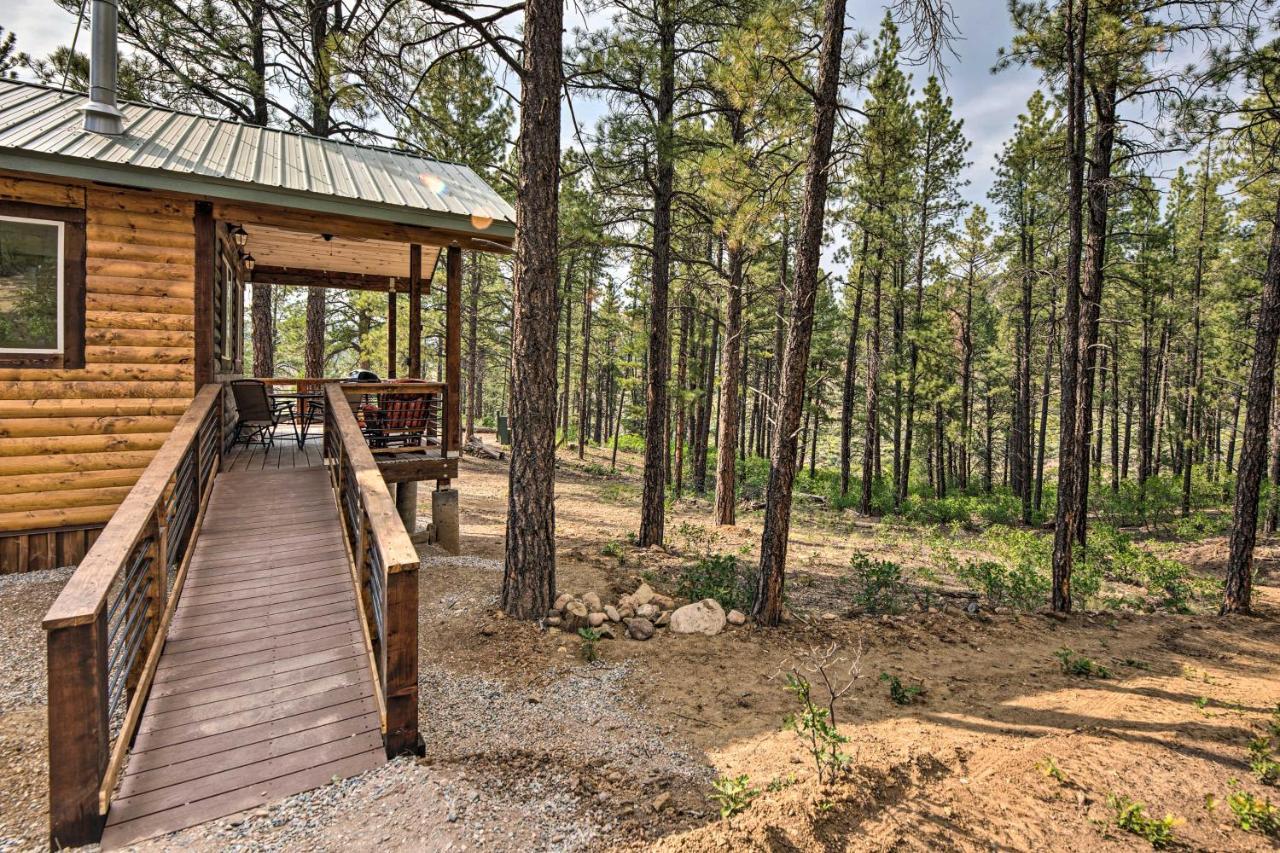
(461, 562)
(506, 769)
(24, 599)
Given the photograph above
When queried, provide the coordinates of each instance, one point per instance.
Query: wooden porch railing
(384, 567)
(106, 629)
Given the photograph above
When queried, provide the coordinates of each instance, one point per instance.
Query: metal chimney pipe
(101, 115)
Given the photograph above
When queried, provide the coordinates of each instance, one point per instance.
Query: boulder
(663, 620)
(592, 601)
(642, 595)
(606, 632)
(647, 611)
(663, 602)
(736, 617)
(575, 617)
(561, 600)
(612, 613)
(595, 620)
(553, 621)
(701, 617)
(639, 629)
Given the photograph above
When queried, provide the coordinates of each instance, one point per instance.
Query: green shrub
(733, 795)
(1255, 815)
(721, 577)
(590, 636)
(1132, 817)
(877, 585)
(899, 694)
(814, 725)
(1073, 664)
(1262, 760)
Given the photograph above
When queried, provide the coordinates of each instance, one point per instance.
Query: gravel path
(567, 767)
(24, 771)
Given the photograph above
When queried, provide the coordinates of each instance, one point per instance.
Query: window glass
(30, 285)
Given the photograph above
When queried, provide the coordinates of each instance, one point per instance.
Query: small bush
(733, 795)
(590, 636)
(1262, 760)
(815, 726)
(615, 550)
(1079, 665)
(877, 584)
(1132, 817)
(1255, 815)
(721, 577)
(899, 694)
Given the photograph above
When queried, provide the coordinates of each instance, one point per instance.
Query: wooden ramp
(264, 686)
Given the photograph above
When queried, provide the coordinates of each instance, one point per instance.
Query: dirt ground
(529, 747)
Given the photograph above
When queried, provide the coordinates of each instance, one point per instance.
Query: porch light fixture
(241, 236)
(249, 262)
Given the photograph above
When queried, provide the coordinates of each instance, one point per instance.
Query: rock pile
(638, 615)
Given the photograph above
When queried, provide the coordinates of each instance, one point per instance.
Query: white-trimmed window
(41, 286)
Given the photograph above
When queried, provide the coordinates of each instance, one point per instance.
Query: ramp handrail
(106, 629)
(384, 565)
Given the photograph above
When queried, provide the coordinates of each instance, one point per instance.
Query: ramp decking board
(263, 689)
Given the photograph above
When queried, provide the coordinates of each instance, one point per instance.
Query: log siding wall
(73, 442)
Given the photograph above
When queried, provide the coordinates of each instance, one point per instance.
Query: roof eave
(194, 184)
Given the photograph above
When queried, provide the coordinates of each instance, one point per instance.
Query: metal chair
(257, 415)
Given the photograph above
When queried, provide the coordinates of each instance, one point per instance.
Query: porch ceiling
(298, 250)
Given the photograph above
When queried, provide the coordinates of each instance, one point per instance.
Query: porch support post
(453, 350)
(391, 332)
(204, 269)
(445, 521)
(415, 311)
(406, 495)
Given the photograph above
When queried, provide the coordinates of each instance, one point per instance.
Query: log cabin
(123, 262)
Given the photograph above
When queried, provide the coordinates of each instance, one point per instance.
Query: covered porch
(412, 426)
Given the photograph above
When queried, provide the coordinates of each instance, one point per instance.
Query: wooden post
(415, 311)
(401, 661)
(453, 349)
(204, 271)
(79, 738)
(391, 332)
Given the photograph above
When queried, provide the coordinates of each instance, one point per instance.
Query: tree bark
(795, 361)
(851, 371)
(653, 494)
(586, 363)
(1253, 448)
(474, 367)
(313, 353)
(730, 360)
(1076, 24)
(529, 572)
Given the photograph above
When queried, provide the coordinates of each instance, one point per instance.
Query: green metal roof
(41, 130)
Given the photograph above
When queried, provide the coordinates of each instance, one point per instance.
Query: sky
(988, 103)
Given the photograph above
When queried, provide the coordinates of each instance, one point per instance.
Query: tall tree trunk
(1099, 197)
(1273, 505)
(871, 413)
(653, 495)
(583, 399)
(682, 374)
(313, 353)
(795, 360)
(264, 331)
(704, 414)
(851, 371)
(1076, 24)
(1193, 369)
(474, 367)
(1253, 447)
(565, 384)
(529, 572)
(730, 361)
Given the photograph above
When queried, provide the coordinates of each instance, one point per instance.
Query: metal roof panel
(46, 123)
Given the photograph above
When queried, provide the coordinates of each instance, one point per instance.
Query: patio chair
(399, 419)
(257, 415)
